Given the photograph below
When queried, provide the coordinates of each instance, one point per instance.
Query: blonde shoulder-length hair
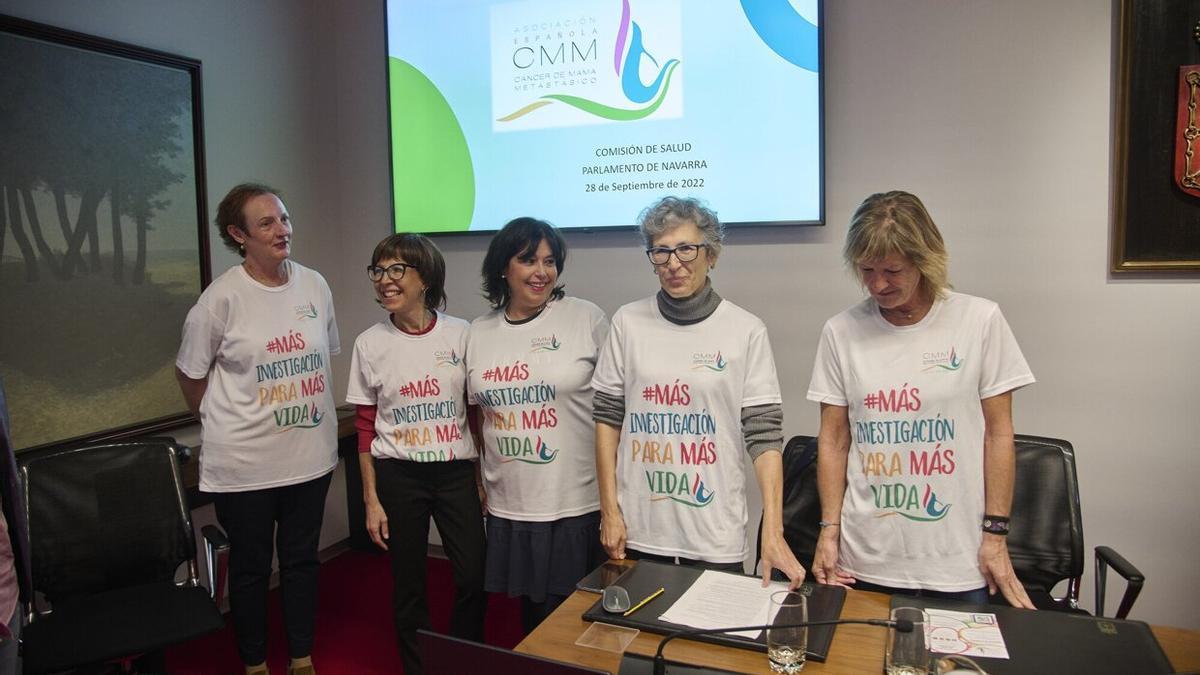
(897, 223)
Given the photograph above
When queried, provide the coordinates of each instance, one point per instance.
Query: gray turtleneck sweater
(762, 425)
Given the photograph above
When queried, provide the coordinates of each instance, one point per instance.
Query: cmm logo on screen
(558, 64)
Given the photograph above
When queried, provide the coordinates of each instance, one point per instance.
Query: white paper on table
(965, 634)
(723, 600)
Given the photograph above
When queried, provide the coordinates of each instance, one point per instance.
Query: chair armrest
(216, 550)
(215, 537)
(1107, 557)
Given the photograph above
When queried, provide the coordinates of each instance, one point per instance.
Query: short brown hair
(897, 223)
(424, 255)
(229, 212)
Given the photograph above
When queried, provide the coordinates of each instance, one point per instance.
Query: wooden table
(1181, 645)
(855, 649)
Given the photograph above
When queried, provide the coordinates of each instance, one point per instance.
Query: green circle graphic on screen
(432, 175)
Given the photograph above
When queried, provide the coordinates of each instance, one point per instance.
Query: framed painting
(102, 232)
(1156, 194)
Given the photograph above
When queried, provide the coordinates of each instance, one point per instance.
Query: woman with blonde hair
(916, 455)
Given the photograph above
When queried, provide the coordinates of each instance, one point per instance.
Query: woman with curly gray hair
(685, 385)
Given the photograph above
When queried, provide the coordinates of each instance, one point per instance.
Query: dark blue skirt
(542, 558)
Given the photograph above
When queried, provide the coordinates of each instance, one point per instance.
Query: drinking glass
(786, 646)
(908, 652)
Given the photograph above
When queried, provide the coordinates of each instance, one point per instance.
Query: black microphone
(660, 663)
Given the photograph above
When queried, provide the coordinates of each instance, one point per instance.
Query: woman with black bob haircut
(521, 236)
(408, 381)
(529, 369)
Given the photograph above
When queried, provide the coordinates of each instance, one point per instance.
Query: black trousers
(410, 493)
(286, 520)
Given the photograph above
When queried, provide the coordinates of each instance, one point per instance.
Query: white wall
(265, 73)
(997, 113)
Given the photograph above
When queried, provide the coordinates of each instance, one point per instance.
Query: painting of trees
(102, 248)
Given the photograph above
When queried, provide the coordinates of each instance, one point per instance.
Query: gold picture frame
(1156, 225)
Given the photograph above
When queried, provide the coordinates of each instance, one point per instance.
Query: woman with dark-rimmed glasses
(408, 379)
(685, 388)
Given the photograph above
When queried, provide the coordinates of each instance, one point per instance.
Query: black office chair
(1046, 539)
(801, 502)
(13, 503)
(109, 529)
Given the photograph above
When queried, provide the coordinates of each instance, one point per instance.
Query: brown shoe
(260, 669)
(301, 669)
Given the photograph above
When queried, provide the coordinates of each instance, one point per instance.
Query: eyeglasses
(394, 271)
(661, 255)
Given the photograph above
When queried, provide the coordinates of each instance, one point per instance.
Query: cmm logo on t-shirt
(711, 361)
(544, 344)
(447, 358)
(941, 360)
(306, 311)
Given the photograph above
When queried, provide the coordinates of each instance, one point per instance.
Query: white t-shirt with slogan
(915, 486)
(681, 460)
(267, 418)
(533, 384)
(417, 384)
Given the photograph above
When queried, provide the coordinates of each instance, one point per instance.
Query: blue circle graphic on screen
(783, 30)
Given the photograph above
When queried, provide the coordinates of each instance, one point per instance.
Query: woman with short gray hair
(669, 212)
(685, 385)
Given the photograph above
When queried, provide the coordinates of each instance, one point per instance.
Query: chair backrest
(106, 516)
(1045, 542)
(801, 502)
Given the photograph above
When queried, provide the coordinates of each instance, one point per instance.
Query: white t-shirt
(417, 383)
(268, 415)
(681, 461)
(533, 384)
(915, 485)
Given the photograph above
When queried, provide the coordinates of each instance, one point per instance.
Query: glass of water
(907, 652)
(786, 645)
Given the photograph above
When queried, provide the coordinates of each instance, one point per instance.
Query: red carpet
(354, 623)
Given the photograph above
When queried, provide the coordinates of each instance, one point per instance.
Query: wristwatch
(996, 525)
